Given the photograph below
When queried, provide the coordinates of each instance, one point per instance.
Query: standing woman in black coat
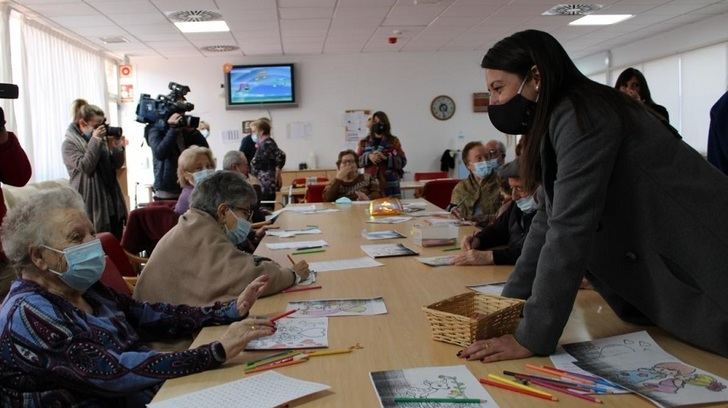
(625, 202)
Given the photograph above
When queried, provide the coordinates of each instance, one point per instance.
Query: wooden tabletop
(402, 338)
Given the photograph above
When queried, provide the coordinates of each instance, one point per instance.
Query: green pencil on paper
(443, 400)
(451, 249)
(309, 251)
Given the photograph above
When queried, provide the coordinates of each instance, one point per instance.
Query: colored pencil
(442, 400)
(517, 385)
(592, 388)
(274, 365)
(514, 389)
(284, 314)
(282, 354)
(291, 259)
(451, 249)
(312, 251)
(309, 247)
(599, 380)
(566, 391)
(301, 288)
(327, 352)
(548, 370)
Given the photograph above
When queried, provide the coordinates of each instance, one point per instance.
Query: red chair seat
(145, 227)
(315, 193)
(112, 278)
(438, 192)
(430, 175)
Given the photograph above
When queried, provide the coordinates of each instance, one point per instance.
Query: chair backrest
(430, 175)
(315, 193)
(145, 227)
(438, 192)
(113, 249)
(301, 181)
(163, 203)
(112, 278)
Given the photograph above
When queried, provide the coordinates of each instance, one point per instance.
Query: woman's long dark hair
(560, 79)
(384, 120)
(630, 73)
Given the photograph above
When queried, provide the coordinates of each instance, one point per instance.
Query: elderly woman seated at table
(198, 261)
(67, 340)
(477, 198)
(349, 183)
(194, 165)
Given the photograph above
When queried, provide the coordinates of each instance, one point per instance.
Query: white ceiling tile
(305, 13)
(252, 26)
(209, 36)
(245, 4)
(138, 19)
(482, 10)
(414, 15)
(359, 4)
(306, 3)
(311, 24)
(64, 9)
(361, 13)
(138, 7)
(154, 29)
(256, 35)
(82, 21)
(33, 2)
(466, 22)
(161, 37)
(177, 5)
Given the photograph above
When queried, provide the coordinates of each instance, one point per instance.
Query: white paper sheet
(295, 334)
(636, 362)
(429, 382)
(288, 233)
(341, 264)
(565, 361)
(495, 288)
(297, 244)
(445, 260)
(266, 390)
(388, 220)
(428, 213)
(338, 307)
(378, 235)
(387, 250)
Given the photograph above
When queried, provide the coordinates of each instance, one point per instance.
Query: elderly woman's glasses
(246, 213)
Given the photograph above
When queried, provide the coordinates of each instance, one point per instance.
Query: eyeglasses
(247, 212)
(348, 162)
(493, 154)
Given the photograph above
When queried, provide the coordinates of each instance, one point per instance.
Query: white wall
(400, 84)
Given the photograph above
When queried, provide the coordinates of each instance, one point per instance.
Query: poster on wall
(355, 123)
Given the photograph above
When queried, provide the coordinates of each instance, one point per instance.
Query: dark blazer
(643, 213)
(167, 144)
(247, 146)
(507, 231)
(718, 134)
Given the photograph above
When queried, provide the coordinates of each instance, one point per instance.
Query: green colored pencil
(451, 249)
(443, 400)
(309, 251)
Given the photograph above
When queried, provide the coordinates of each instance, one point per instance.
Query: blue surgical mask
(198, 176)
(239, 234)
(527, 204)
(254, 137)
(86, 263)
(205, 133)
(483, 169)
(494, 165)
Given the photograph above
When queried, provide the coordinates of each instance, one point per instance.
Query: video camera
(152, 110)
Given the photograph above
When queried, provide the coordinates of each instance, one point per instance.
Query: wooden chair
(438, 192)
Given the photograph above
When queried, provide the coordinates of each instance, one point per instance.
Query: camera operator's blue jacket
(167, 143)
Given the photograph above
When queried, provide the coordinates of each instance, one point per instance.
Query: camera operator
(14, 170)
(167, 141)
(92, 152)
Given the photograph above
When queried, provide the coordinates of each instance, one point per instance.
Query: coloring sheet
(445, 260)
(495, 288)
(297, 244)
(338, 307)
(429, 382)
(269, 389)
(319, 211)
(565, 361)
(387, 250)
(295, 334)
(388, 220)
(430, 213)
(341, 264)
(288, 233)
(636, 362)
(377, 235)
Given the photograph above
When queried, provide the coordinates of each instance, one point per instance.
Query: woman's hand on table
(473, 257)
(250, 294)
(239, 334)
(301, 269)
(501, 348)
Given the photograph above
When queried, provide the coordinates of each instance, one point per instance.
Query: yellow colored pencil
(327, 352)
(518, 385)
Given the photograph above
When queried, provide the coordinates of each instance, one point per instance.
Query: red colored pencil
(300, 288)
(284, 314)
(514, 389)
(558, 373)
(567, 391)
(275, 365)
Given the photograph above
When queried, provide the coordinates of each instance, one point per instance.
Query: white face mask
(205, 133)
(254, 136)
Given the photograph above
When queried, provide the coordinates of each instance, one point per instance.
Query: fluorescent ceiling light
(601, 19)
(203, 26)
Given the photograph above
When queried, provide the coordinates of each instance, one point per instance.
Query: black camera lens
(112, 131)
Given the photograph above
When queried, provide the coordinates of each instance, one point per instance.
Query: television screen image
(262, 84)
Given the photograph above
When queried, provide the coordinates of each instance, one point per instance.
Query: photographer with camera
(169, 133)
(92, 152)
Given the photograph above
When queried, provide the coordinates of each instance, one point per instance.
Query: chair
(301, 181)
(145, 227)
(112, 278)
(430, 175)
(315, 193)
(438, 192)
(118, 256)
(162, 203)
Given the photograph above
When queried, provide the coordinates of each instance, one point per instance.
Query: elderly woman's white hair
(26, 225)
(187, 159)
(227, 187)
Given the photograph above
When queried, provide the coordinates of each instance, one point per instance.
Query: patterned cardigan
(53, 354)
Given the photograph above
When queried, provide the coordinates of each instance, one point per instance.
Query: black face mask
(378, 128)
(513, 117)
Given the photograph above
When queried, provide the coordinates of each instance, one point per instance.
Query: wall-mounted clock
(442, 107)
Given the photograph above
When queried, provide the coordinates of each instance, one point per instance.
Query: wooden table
(401, 338)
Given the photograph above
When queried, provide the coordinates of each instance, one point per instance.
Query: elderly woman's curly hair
(26, 225)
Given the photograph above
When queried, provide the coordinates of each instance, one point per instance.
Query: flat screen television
(256, 86)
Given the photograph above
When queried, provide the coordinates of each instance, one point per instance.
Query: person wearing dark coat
(167, 143)
(626, 203)
(248, 146)
(500, 242)
(718, 134)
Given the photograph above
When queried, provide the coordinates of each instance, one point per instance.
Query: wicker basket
(463, 318)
